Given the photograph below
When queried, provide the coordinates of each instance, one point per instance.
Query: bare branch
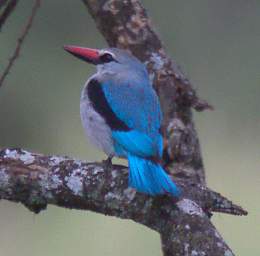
(20, 41)
(7, 12)
(36, 180)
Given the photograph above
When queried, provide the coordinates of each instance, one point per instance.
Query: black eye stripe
(106, 57)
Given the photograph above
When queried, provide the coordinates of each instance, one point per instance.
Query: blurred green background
(217, 44)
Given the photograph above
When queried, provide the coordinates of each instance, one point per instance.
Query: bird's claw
(108, 162)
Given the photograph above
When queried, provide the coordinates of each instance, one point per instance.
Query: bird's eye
(106, 57)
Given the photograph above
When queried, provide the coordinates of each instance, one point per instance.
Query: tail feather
(149, 177)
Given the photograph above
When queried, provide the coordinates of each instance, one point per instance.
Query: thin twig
(20, 40)
(7, 12)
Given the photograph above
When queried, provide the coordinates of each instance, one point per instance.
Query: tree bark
(184, 224)
(36, 180)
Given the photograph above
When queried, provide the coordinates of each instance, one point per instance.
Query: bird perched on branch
(121, 115)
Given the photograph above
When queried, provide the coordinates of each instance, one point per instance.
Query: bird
(121, 115)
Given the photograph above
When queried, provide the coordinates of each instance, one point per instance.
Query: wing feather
(137, 106)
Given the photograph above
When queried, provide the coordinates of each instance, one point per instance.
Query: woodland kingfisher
(121, 115)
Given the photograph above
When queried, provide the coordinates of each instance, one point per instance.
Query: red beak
(86, 54)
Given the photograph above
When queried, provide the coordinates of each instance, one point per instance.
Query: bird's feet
(108, 162)
(107, 165)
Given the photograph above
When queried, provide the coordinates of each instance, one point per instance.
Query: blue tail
(149, 177)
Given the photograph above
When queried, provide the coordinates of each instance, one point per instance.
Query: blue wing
(137, 106)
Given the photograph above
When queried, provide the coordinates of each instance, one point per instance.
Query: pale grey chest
(94, 125)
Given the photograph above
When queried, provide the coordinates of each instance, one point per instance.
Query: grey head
(111, 61)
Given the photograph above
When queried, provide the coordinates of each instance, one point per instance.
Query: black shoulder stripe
(100, 104)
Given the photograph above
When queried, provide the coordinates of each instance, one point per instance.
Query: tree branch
(20, 41)
(7, 11)
(36, 180)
